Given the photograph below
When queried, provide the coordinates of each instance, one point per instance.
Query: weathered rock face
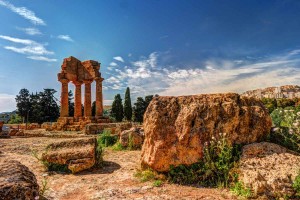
(78, 154)
(268, 169)
(17, 182)
(176, 128)
(135, 136)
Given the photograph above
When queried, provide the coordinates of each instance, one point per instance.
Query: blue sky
(154, 47)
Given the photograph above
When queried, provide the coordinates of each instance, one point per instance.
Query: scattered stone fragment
(17, 182)
(76, 154)
(133, 137)
(268, 169)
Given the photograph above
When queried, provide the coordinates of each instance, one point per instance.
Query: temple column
(99, 97)
(87, 99)
(77, 108)
(64, 101)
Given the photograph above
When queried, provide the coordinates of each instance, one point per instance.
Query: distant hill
(5, 116)
(285, 91)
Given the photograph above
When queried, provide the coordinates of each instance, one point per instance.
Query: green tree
(49, 107)
(139, 109)
(117, 108)
(127, 105)
(23, 103)
(148, 100)
(15, 119)
(35, 114)
(71, 103)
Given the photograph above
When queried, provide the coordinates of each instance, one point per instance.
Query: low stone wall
(30, 126)
(116, 128)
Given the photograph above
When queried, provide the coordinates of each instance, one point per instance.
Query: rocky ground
(115, 180)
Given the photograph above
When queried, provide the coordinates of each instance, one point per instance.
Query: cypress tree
(127, 105)
(117, 108)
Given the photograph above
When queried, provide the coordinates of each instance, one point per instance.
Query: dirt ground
(115, 180)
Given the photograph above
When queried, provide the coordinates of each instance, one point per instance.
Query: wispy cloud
(119, 58)
(42, 58)
(113, 64)
(32, 48)
(65, 37)
(24, 12)
(150, 76)
(31, 31)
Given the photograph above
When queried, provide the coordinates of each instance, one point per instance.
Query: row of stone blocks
(72, 124)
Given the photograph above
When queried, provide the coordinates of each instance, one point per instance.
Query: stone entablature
(77, 72)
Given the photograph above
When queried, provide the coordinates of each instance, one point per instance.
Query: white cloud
(24, 12)
(113, 64)
(113, 80)
(150, 76)
(31, 48)
(119, 58)
(7, 103)
(31, 31)
(65, 37)
(42, 58)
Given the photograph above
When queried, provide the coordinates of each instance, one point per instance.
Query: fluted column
(99, 97)
(87, 99)
(77, 109)
(64, 101)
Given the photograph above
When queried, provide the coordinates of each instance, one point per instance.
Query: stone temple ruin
(79, 73)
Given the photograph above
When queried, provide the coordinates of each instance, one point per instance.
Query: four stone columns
(99, 97)
(64, 109)
(64, 104)
(77, 108)
(87, 99)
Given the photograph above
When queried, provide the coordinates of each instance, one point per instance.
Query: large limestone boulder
(133, 137)
(268, 169)
(17, 182)
(77, 154)
(176, 128)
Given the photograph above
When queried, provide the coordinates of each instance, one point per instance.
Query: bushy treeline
(37, 107)
(272, 103)
(120, 111)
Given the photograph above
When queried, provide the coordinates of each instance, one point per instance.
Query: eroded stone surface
(78, 154)
(135, 136)
(17, 182)
(176, 128)
(268, 169)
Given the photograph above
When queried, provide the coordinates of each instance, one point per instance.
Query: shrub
(99, 153)
(214, 170)
(106, 139)
(157, 183)
(296, 185)
(118, 147)
(239, 189)
(287, 128)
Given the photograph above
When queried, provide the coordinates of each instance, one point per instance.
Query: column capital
(64, 80)
(77, 83)
(99, 79)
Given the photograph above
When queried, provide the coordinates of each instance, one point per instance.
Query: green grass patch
(239, 189)
(157, 183)
(105, 139)
(118, 147)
